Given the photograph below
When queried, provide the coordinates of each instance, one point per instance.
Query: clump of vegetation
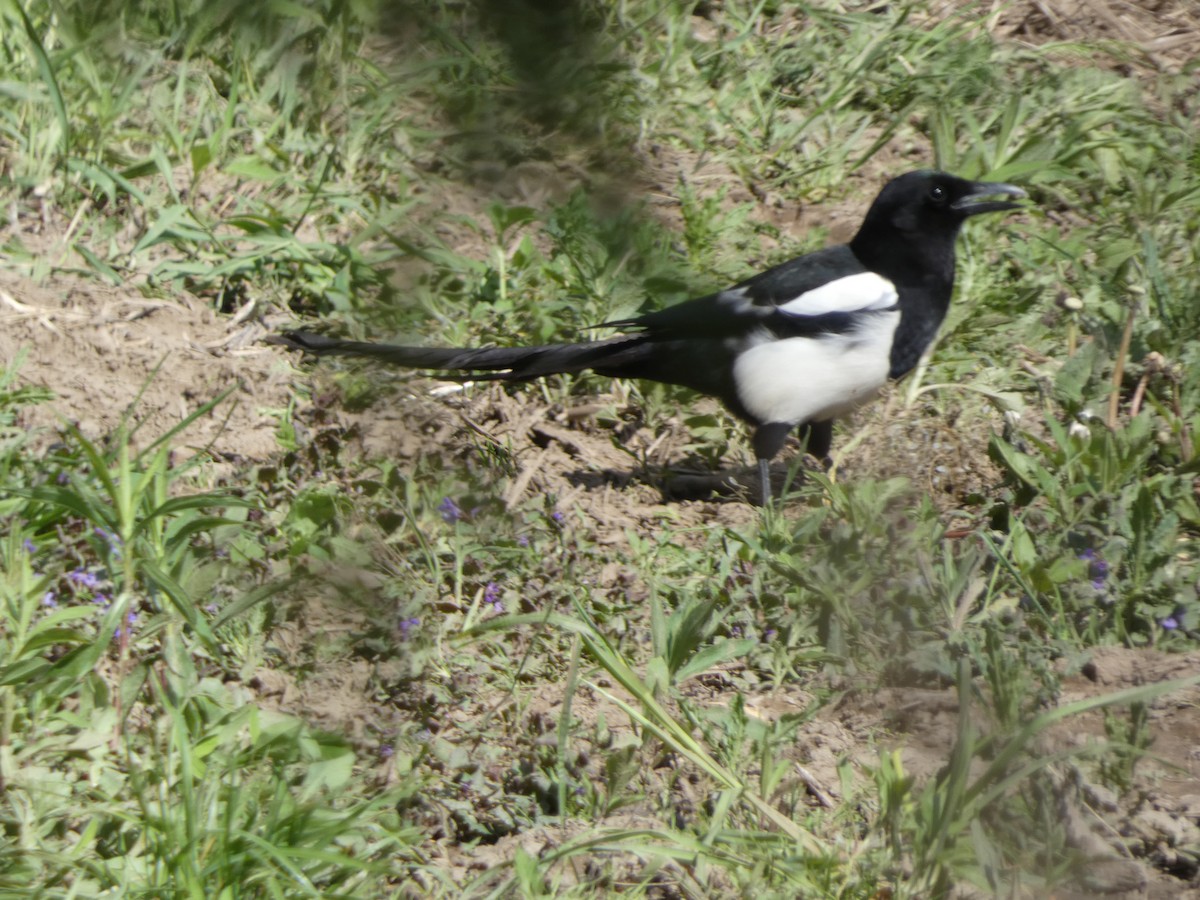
(578, 710)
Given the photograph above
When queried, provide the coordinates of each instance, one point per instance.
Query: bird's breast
(802, 379)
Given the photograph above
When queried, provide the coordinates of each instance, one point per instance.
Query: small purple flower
(111, 538)
(62, 478)
(557, 516)
(523, 541)
(491, 596)
(1170, 623)
(407, 625)
(84, 579)
(1097, 573)
(211, 609)
(451, 512)
(101, 600)
(30, 546)
(127, 631)
(50, 599)
(105, 534)
(387, 751)
(1097, 565)
(770, 634)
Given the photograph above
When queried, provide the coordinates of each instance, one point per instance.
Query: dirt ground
(108, 351)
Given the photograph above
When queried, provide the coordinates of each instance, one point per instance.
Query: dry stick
(1139, 394)
(1114, 401)
(823, 797)
(1153, 364)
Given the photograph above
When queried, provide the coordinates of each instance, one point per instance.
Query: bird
(792, 348)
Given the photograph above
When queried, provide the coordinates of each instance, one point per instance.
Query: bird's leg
(817, 438)
(768, 440)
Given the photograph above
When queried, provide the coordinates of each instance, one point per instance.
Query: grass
(347, 161)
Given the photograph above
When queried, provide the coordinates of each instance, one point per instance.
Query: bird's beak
(973, 204)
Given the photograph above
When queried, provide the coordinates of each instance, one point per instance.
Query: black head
(908, 237)
(909, 231)
(933, 204)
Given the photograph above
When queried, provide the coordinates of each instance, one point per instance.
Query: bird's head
(934, 205)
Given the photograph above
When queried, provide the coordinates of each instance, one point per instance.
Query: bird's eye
(937, 194)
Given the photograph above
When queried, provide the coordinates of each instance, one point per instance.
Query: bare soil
(111, 355)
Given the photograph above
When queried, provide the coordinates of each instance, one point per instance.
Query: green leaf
(1024, 466)
(24, 671)
(329, 774)
(181, 601)
(103, 269)
(46, 70)
(1076, 373)
(201, 155)
(714, 655)
(251, 167)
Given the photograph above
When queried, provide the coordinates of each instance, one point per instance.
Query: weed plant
(537, 697)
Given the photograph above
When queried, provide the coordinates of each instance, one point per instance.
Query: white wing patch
(814, 378)
(866, 290)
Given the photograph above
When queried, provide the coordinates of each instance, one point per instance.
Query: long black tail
(625, 354)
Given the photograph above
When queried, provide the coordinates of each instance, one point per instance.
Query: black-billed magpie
(797, 345)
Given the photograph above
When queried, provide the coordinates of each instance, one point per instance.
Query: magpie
(798, 345)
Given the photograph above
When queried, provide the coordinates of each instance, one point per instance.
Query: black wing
(771, 300)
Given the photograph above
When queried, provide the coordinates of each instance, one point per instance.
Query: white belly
(802, 379)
